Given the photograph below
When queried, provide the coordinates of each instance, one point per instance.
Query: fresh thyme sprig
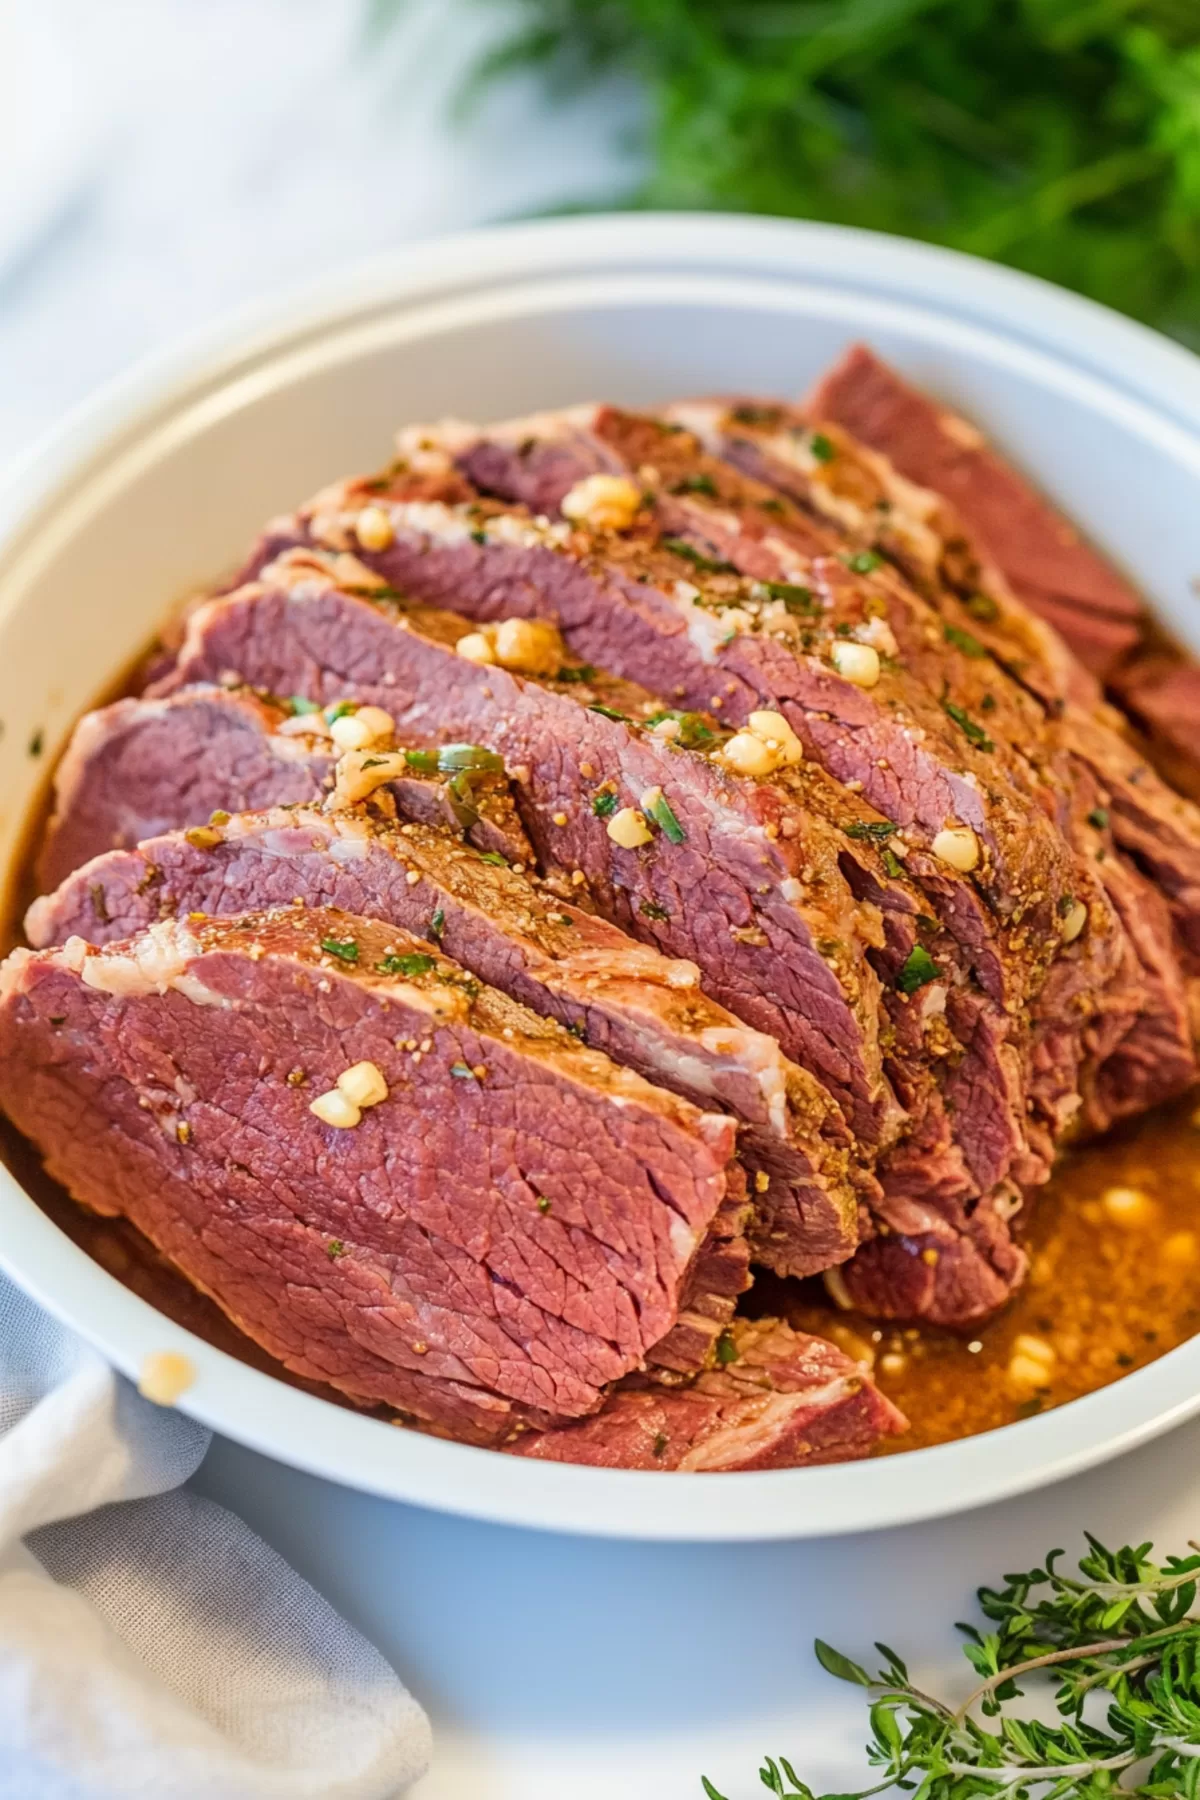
(1121, 1642)
(1059, 135)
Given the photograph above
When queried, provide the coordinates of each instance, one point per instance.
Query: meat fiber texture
(506, 1233)
(781, 1400)
(306, 621)
(533, 567)
(627, 999)
(140, 767)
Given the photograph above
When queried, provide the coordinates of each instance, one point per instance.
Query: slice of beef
(738, 882)
(1043, 556)
(504, 1233)
(782, 1400)
(140, 767)
(299, 622)
(624, 998)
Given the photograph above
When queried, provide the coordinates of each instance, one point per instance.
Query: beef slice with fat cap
(269, 625)
(1051, 567)
(1151, 1053)
(625, 998)
(924, 761)
(722, 886)
(784, 1399)
(510, 1225)
(140, 767)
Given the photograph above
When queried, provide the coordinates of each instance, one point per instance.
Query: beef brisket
(781, 1399)
(736, 881)
(140, 767)
(622, 997)
(506, 1229)
(1049, 564)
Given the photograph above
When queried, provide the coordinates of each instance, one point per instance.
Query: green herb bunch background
(1062, 136)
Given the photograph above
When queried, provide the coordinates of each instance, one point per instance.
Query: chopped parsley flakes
(918, 969)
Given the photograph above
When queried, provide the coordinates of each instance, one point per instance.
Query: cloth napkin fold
(151, 1646)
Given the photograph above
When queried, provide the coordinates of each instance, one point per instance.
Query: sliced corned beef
(734, 880)
(622, 997)
(1044, 557)
(299, 621)
(140, 767)
(506, 1225)
(780, 1399)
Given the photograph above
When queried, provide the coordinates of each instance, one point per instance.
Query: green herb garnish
(415, 962)
(425, 762)
(585, 672)
(695, 484)
(437, 925)
(300, 708)
(975, 734)
(982, 607)
(469, 756)
(892, 865)
(604, 805)
(494, 857)
(875, 829)
(963, 640)
(342, 710)
(479, 537)
(543, 1205)
(608, 712)
(335, 1248)
(821, 447)
(345, 949)
(1099, 818)
(661, 811)
(710, 565)
(864, 562)
(650, 909)
(1118, 1643)
(797, 599)
(919, 968)
(726, 1350)
(693, 731)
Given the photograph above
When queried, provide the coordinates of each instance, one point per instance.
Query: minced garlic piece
(1074, 922)
(164, 1376)
(354, 731)
(958, 847)
(747, 754)
(334, 1108)
(476, 647)
(628, 828)
(528, 646)
(777, 734)
(360, 772)
(373, 528)
(857, 663)
(603, 502)
(363, 1084)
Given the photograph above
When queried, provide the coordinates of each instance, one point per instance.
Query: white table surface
(209, 153)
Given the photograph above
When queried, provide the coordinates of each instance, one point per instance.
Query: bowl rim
(1141, 373)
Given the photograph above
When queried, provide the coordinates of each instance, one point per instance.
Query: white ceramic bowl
(161, 481)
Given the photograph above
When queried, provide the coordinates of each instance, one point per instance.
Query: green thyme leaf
(893, 865)
(874, 829)
(975, 734)
(604, 805)
(494, 857)
(345, 949)
(584, 672)
(821, 447)
(726, 1350)
(797, 599)
(660, 810)
(834, 1663)
(695, 484)
(693, 731)
(415, 962)
(425, 762)
(918, 969)
(437, 925)
(710, 565)
(607, 712)
(1099, 817)
(650, 909)
(469, 756)
(864, 562)
(963, 640)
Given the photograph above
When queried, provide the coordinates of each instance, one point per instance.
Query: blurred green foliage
(1062, 136)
